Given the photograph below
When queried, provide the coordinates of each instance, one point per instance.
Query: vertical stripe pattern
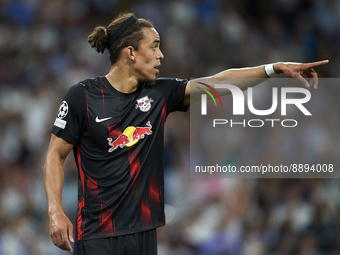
(81, 212)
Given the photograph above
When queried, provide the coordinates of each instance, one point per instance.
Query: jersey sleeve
(173, 89)
(70, 121)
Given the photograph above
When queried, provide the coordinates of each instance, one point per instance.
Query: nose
(160, 55)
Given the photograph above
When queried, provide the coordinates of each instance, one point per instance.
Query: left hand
(295, 70)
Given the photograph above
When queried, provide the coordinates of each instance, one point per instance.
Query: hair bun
(98, 39)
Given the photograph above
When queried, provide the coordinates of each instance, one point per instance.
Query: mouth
(156, 67)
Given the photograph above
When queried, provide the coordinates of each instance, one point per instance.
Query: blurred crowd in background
(44, 50)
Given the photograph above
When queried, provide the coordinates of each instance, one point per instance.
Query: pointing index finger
(318, 63)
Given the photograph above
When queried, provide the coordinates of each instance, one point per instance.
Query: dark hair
(130, 37)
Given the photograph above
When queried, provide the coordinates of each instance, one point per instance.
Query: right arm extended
(61, 228)
(251, 76)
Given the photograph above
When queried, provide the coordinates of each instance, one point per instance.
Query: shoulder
(169, 87)
(168, 83)
(89, 83)
(84, 85)
(164, 80)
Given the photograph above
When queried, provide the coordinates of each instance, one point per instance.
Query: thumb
(70, 233)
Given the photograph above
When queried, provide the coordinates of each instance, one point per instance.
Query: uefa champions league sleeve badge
(63, 110)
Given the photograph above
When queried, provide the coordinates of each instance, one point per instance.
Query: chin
(151, 81)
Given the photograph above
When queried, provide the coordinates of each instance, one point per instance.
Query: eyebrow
(156, 41)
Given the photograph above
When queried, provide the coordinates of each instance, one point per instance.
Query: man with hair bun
(115, 125)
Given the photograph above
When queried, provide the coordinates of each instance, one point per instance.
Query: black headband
(120, 30)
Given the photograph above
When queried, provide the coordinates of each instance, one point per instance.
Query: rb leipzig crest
(144, 103)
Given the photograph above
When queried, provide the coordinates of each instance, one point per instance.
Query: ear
(130, 53)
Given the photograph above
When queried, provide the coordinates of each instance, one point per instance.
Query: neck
(121, 79)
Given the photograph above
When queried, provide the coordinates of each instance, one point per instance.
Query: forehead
(150, 35)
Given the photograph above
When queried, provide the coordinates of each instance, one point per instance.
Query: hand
(61, 231)
(295, 70)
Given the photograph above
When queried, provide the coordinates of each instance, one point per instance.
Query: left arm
(252, 77)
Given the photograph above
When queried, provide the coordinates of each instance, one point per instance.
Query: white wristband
(269, 69)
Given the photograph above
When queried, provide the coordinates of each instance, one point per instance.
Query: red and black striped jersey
(118, 148)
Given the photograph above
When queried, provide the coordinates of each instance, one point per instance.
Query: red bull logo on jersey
(130, 136)
(144, 103)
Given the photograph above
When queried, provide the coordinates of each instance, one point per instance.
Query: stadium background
(44, 50)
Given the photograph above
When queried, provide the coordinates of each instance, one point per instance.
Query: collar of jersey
(121, 94)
